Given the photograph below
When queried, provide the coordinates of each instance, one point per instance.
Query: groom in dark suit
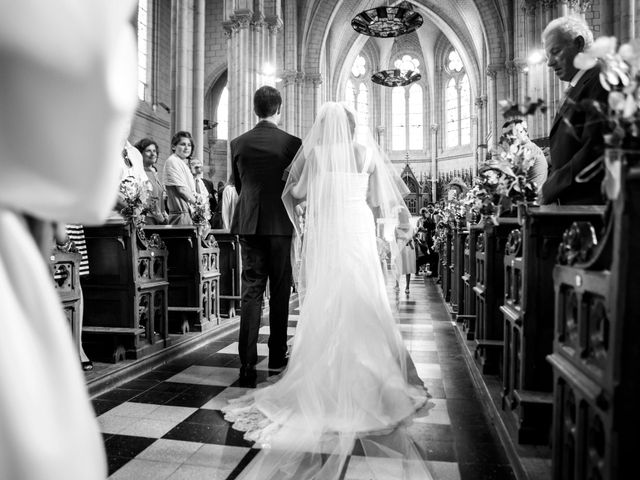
(576, 137)
(259, 158)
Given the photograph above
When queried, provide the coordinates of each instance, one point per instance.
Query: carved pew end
(534, 410)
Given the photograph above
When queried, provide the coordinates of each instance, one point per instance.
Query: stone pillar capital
(243, 18)
(529, 7)
(315, 78)
(435, 127)
(481, 101)
(274, 24)
(230, 28)
(493, 69)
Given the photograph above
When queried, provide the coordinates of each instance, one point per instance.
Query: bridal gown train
(346, 378)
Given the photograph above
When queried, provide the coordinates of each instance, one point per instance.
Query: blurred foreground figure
(67, 91)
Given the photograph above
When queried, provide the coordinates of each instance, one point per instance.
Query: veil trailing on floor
(349, 392)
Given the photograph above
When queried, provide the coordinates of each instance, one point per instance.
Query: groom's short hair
(266, 101)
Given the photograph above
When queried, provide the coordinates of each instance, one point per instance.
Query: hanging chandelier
(387, 21)
(395, 77)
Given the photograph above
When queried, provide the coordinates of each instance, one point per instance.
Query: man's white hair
(570, 26)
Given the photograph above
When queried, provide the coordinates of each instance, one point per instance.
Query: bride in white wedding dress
(346, 382)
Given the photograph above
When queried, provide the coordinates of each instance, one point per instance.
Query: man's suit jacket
(574, 147)
(259, 158)
(213, 202)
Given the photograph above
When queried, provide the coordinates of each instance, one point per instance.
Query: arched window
(222, 115)
(457, 101)
(451, 108)
(416, 112)
(357, 90)
(350, 95)
(465, 111)
(398, 119)
(143, 47)
(362, 105)
(407, 111)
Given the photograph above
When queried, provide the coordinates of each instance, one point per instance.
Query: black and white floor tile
(167, 423)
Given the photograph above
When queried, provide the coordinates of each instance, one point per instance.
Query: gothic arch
(489, 16)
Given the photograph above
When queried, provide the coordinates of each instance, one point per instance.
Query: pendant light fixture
(387, 21)
(404, 73)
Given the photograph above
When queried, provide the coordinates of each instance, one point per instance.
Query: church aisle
(167, 424)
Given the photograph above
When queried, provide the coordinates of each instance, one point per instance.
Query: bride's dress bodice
(357, 215)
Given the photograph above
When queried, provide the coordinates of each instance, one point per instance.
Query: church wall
(215, 68)
(151, 119)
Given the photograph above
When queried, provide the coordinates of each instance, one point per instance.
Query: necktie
(198, 185)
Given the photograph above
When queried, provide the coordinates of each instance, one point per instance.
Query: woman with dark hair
(178, 180)
(149, 150)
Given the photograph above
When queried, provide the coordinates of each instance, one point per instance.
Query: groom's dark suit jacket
(574, 145)
(259, 158)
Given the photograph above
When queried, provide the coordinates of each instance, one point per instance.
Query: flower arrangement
(620, 76)
(502, 178)
(136, 200)
(200, 211)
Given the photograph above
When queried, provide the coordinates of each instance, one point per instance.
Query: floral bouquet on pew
(486, 199)
(518, 159)
(200, 211)
(136, 199)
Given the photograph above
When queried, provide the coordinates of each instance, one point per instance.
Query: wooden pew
(468, 316)
(457, 267)
(193, 274)
(64, 263)
(125, 293)
(445, 262)
(490, 247)
(596, 348)
(230, 272)
(529, 260)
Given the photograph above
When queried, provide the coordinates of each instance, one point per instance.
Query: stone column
(180, 120)
(274, 25)
(492, 93)
(299, 101)
(244, 84)
(198, 79)
(289, 101)
(474, 142)
(314, 80)
(481, 115)
(434, 160)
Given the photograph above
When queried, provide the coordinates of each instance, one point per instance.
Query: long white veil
(349, 383)
(323, 179)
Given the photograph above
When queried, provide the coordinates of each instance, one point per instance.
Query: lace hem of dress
(257, 427)
(245, 417)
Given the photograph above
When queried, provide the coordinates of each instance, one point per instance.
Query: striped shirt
(76, 235)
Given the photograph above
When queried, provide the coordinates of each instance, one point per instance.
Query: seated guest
(149, 150)
(576, 141)
(73, 236)
(178, 180)
(515, 132)
(229, 200)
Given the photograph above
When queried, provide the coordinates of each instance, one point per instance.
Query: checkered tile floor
(167, 423)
